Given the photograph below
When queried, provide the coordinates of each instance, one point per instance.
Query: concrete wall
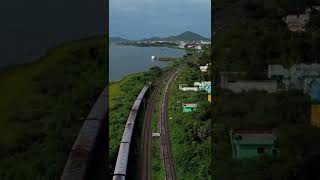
(81, 154)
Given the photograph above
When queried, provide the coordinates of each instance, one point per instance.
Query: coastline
(128, 75)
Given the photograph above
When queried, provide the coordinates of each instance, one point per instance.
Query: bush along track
(122, 96)
(188, 132)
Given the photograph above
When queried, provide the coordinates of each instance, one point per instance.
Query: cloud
(141, 5)
(135, 19)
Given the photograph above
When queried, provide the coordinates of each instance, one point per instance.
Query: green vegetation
(168, 59)
(157, 169)
(43, 105)
(189, 132)
(287, 113)
(258, 37)
(185, 36)
(251, 35)
(122, 95)
(146, 44)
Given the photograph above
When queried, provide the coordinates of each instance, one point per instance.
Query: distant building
(204, 86)
(155, 134)
(244, 86)
(189, 107)
(204, 68)
(298, 22)
(238, 86)
(183, 87)
(298, 76)
(205, 42)
(250, 144)
(182, 44)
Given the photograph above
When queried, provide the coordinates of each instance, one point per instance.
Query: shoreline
(134, 45)
(147, 70)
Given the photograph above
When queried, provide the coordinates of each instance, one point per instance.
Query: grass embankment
(189, 132)
(122, 96)
(43, 105)
(168, 59)
(190, 155)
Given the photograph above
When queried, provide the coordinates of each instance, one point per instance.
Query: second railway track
(145, 172)
(170, 173)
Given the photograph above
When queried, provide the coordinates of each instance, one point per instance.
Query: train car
(143, 92)
(136, 105)
(81, 152)
(122, 161)
(123, 154)
(132, 116)
(127, 134)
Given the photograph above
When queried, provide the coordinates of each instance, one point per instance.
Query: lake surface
(124, 60)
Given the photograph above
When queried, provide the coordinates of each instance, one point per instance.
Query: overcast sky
(136, 19)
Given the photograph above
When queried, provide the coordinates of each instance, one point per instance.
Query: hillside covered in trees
(250, 35)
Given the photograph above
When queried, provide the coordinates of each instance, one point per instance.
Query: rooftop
(253, 137)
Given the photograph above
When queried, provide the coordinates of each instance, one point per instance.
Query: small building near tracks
(250, 144)
(189, 107)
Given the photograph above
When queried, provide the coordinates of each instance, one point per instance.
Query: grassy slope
(122, 95)
(190, 153)
(42, 107)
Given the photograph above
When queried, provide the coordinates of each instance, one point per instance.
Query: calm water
(126, 60)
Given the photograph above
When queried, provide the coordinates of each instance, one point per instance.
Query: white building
(184, 87)
(297, 76)
(204, 68)
(204, 86)
(297, 22)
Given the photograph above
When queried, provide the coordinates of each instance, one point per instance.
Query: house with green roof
(189, 107)
(250, 144)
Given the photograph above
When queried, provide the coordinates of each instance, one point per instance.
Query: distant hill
(152, 39)
(118, 40)
(186, 36)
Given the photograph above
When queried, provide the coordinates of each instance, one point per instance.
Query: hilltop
(118, 40)
(185, 36)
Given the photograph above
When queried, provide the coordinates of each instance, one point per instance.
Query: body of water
(124, 60)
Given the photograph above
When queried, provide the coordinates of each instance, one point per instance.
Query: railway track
(146, 134)
(170, 173)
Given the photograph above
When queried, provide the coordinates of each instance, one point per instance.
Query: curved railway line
(120, 171)
(170, 173)
(146, 134)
